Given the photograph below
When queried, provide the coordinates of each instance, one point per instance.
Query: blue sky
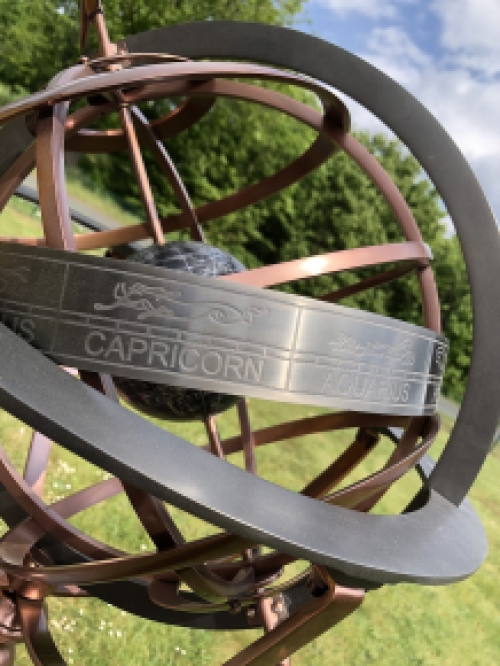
(446, 52)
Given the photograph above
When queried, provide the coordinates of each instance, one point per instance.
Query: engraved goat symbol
(149, 305)
(146, 308)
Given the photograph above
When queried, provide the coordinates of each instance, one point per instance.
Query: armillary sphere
(181, 329)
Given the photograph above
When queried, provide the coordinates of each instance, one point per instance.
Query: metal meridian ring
(437, 542)
(475, 224)
(180, 329)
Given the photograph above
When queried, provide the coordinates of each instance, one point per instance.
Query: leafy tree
(40, 37)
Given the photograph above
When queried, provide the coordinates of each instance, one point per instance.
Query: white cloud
(466, 105)
(471, 33)
(457, 78)
(370, 8)
(394, 41)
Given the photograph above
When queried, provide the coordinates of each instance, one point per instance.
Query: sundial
(181, 329)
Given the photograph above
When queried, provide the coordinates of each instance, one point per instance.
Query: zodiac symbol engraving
(158, 302)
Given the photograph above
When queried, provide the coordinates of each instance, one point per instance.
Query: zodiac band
(180, 329)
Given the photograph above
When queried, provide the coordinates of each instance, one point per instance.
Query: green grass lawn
(404, 625)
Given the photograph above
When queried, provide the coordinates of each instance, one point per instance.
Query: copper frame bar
(51, 178)
(369, 283)
(35, 468)
(304, 625)
(23, 166)
(37, 637)
(103, 40)
(315, 424)
(186, 555)
(167, 166)
(107, 141)
(141, 176)
(343, 465)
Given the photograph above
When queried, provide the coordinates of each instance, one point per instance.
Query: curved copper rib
(91, 573)
(51, 178)
(427, 427)
(314, 156)
(20, 540)
(139, 168)
(363, 444)
(48, 519)
(368, 489)
(333, 262)
(304, 625)
(166, 165)
(320, 150)
(196, 552)
(315, 424)
(360, 496)
(50, 133)
(36, 463)
(369, 283)
(386, 186)
(128, 80)
(23, 166)
(39, 642)
(113, 140)
(18, 543)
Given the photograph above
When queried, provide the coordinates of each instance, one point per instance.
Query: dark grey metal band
(418, 129)
(437, 542)
(186, 330)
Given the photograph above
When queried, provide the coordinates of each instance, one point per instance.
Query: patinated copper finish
(226, 572)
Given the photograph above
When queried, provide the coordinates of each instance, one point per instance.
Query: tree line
(334, 208)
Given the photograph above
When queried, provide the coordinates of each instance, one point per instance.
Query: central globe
(172, 402)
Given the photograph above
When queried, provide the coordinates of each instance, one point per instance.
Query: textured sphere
(172, 402)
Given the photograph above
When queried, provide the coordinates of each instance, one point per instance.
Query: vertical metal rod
(169, 171)
(141, 176)
(247, 436)
(213, 437)
(35, 468)
(7, 654)
(106, 47)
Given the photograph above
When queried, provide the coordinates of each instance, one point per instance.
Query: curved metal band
(475, 224)
(199, 71)
(177, 121)
(185, 330)
(438, 542)
(320, 150)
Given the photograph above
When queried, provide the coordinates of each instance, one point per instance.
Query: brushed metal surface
(186, 330)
